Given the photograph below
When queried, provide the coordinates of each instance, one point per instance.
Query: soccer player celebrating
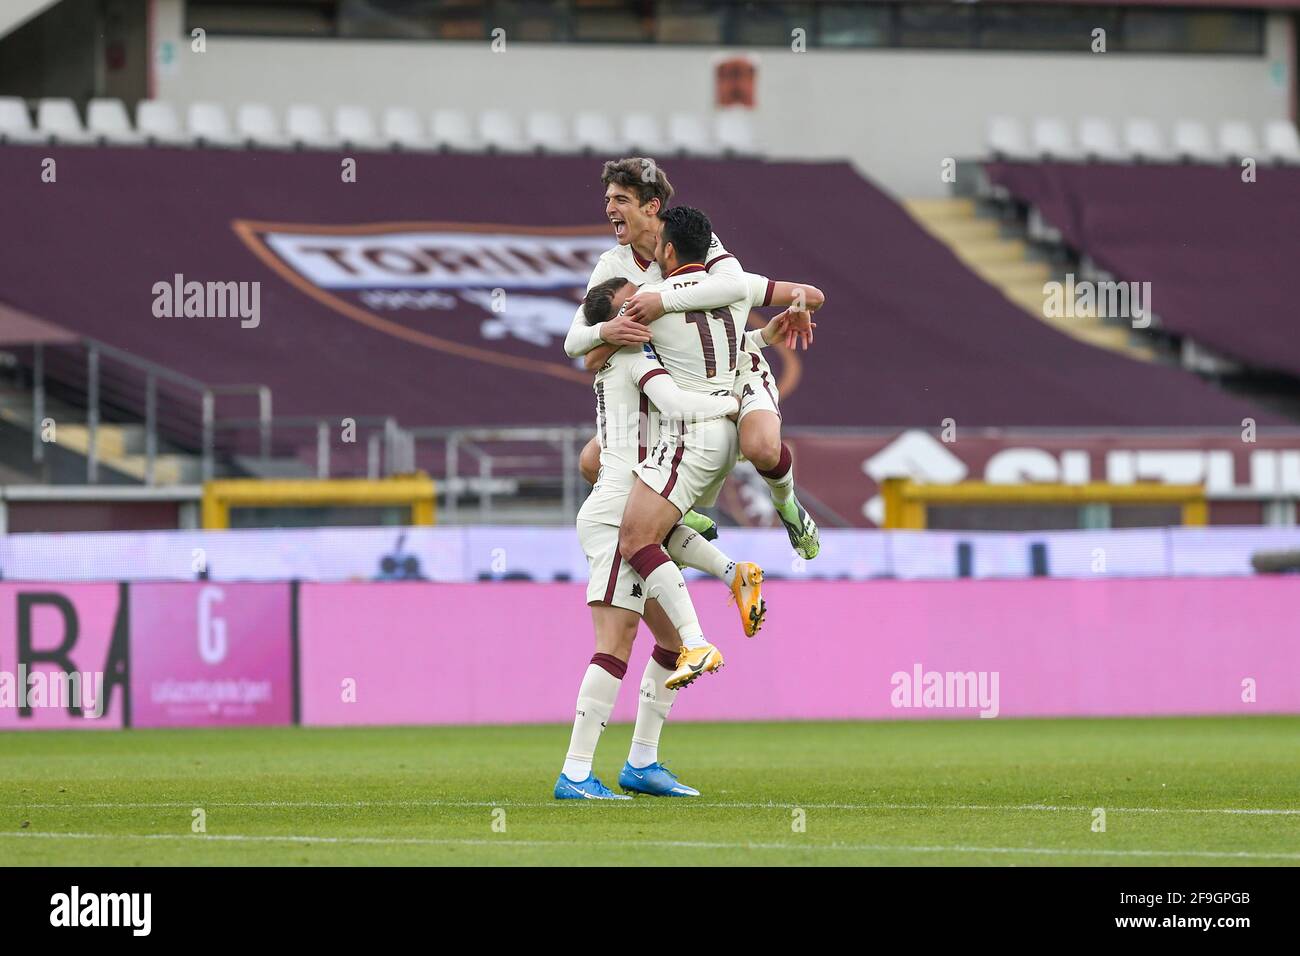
(625, 387)
(636, 192)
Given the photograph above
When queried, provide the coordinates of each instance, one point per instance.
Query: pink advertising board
(210, 655)
(412, 653)
(50, 631)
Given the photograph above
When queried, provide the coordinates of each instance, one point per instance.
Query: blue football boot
(655, 780)
(589, 789)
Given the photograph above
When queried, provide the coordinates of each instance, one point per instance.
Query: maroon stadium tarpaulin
(1220, 253)
(383, 295)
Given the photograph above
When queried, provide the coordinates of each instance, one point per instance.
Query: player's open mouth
(620, 227)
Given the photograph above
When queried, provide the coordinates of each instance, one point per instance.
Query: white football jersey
(623, 261)
(627, 423)
(700, 350)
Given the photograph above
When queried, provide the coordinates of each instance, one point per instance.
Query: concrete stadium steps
(1005, 264)
(119, 447)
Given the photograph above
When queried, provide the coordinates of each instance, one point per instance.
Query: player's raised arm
(724, 284)
(801, 299)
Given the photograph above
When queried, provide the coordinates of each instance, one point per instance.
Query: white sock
(651, 712)
(691, 549)
(780, 480)
(667, 586)
(596, 696)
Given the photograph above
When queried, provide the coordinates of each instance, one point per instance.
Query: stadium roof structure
(438, 288)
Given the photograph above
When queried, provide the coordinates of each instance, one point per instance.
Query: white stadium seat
(58, 119)
(16, 123)
(1145, 141)
(210, 126)
(547, 131)
(1281, 142)
(256, 123)
(108, 121)
(1006, 138)
(1051, 137)
(451, 130)
(1192, 141)
(157, 121)
(689, 133)
(1098, 139)
(1237, 140)
(402, 129)
(305, 126)
(734, 131)
(500, 131)
(355, 127)
(641, 132)
(594, 132)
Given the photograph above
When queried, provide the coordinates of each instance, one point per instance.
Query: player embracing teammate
(665, 442)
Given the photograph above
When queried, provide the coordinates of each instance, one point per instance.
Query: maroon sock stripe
(610, 663)
(647, 559)
(664, 658)
(782, 467)
(613, 576)
(672, 474)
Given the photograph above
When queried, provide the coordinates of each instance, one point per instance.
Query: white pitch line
(365, 804)
(667, 844)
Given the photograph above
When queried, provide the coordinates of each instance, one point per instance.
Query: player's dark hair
(598, 303)
(690, 232)
(640, 174)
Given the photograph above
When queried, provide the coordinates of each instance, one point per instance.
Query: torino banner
(145, 655)
(513, 653)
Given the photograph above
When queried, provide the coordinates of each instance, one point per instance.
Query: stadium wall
(365, 653)
(911, 109)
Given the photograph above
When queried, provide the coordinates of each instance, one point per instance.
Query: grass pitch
(1001, 792)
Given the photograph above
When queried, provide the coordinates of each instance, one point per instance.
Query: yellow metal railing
(415, 492)
(906, 501)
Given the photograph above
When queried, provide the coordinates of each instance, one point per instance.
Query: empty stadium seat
(402, 129)
(1281, 142)
(548, 132)
(16, 123)
(1237, 140)
(451, 130)
(734, 131)
(1050, 137)
(108, 121)
(500, 131)
(641, 132)
(1192, 141)
(1098, 139)
(157, 121)
(595, 132)
(1006, 138)
(305, 126)
(355, 127)
(689, 133)
(1145, 141)
(210, 126)
(57, 118)
(257, 124)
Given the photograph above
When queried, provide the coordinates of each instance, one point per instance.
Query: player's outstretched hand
(645, 306)
(793, 326)
(622, 330)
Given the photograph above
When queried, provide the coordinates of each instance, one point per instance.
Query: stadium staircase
(1011, 265)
